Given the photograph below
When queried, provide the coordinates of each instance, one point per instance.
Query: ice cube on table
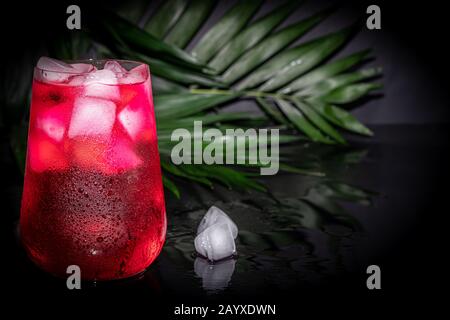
(102, 84)
(53, 121)
(215, 235)
(44, 154)
(92, 117)
(214, 276)
(214, 216)
(216, 242)
(135, 75)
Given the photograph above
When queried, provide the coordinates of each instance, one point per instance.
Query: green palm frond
(297, 87)
(251, 59)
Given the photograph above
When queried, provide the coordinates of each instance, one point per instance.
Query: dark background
(411, 47)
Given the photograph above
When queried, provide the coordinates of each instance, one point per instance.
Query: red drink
(93, 194)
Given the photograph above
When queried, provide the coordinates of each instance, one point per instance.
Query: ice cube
(53, 77)
(214, 276)
(53, 70)
(44, 155)
(54, 120)
(215, 242)
(102, 84)
(115, 67)
(50, 64)
(108, 158)
(92, 117)
(127, 95)
(87, 153)
(120, 156)
(83, 67)
(77, 80)
(135, 75)
(133, 120)
(214, 216)
(58, 71)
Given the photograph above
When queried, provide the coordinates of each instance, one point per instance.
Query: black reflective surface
(302, 241)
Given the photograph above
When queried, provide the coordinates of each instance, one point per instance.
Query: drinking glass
(93, 194)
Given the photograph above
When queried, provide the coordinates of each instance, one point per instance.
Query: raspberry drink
(93, 194)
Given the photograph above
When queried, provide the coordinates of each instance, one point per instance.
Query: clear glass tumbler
(93, 193)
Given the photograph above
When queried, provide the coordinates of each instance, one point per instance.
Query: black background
(413, 267)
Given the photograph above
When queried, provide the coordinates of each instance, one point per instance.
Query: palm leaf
(138, 39)
(169, 184)
(178, 74)
(271, 111)
(301, 122)
(189, 23)
(341, 118)
(269, 47)
(324, 72)
(165, 17)
(317, 119)
(186, 104)
(351, 93)
(237, 57)
(326, 86)
(224, 30)
(251, 36)
(296, 61)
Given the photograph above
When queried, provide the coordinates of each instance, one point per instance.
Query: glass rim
(92, 62)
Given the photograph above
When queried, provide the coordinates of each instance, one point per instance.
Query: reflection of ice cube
(115, 67)
(214, 276)
(135, 75)
(215, 242)
(92, 116)
(132, 120)
(215, 215)
(102, 84)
